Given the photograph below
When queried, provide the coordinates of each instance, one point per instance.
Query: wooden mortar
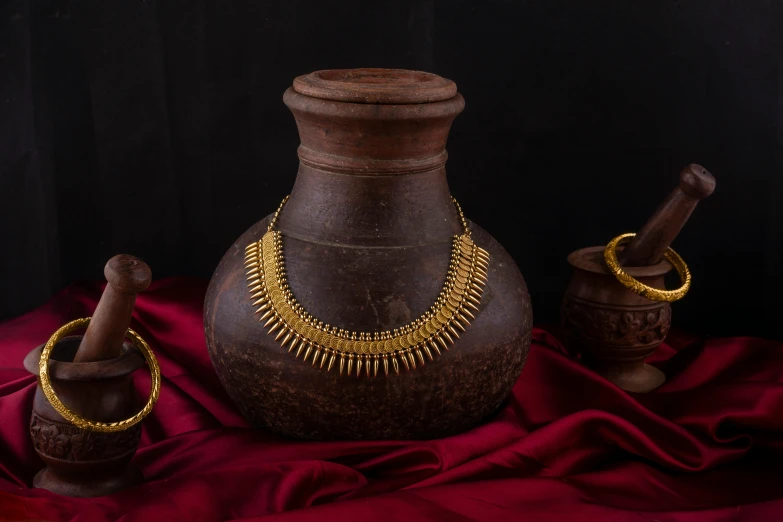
(613, 328)
(92, 376)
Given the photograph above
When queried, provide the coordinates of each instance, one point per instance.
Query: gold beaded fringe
(325, 345)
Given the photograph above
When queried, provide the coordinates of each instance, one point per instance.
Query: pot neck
(371, 175)
(370, 211)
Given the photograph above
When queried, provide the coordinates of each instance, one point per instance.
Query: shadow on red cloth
(568, 445)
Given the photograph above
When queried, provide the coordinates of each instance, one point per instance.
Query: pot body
(367, 236)
(82, 463)
(613, 328)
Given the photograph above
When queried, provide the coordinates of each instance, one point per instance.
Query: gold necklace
(435, 329)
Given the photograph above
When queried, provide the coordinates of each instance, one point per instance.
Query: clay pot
(81, 463)
(367, 238)
(613, 328)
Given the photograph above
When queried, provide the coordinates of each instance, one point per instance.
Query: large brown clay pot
(367, 238)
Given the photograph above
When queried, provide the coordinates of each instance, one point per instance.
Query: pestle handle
(654, 238)
(126, 276)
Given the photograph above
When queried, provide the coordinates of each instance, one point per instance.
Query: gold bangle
(81, 422)
(654, 294)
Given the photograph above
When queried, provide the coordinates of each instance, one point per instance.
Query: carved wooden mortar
(82, 463)
(91, 375)
(613, 328)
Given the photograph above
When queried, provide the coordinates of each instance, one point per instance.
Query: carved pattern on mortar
(618, 325)
(67, 442)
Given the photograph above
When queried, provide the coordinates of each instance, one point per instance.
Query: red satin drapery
(708, 445)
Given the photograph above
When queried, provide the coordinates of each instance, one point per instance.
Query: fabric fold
(567, 444)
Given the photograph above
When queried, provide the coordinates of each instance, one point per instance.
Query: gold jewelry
(324, 345)
(654, 294)
(81, 422)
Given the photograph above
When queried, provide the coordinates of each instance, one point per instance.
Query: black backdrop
(157, 128)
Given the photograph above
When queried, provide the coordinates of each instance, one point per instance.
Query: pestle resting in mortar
(613, 328)
(126, 276)
(92, 375)
(655, 237)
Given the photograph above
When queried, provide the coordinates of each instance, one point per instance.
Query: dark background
(157, 128)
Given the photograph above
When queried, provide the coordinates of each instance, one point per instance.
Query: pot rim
(376, 86)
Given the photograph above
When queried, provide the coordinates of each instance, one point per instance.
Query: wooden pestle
(652, 241)
(126, 276)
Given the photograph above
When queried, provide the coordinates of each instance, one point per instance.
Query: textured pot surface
(367, 237)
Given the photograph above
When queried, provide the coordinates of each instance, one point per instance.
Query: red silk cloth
(570, 446)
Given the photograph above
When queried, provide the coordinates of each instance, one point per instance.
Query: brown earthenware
(367, 237)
